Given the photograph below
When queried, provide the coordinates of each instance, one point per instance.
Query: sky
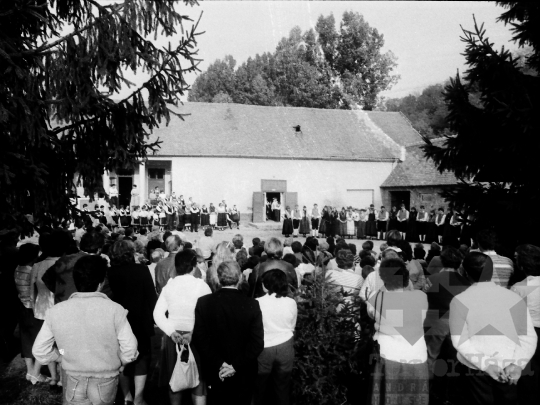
(423, 35)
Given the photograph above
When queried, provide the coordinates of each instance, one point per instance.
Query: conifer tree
(496, 145)
(61, 121)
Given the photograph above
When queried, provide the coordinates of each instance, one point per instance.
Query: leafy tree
(318, 68)
(496, 143)
(426, 111)
(62, 63)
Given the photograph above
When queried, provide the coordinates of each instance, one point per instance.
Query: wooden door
(259, 207)
(291, 199)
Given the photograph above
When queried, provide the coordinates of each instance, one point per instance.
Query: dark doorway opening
(125, 185)
(400, 197)
(270, 215)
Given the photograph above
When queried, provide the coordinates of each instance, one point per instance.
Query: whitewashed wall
(235, 179)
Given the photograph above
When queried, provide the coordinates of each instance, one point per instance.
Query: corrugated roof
(396, 126)
(237, 130)
(417, 171)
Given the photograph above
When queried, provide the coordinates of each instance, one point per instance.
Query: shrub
(325, 341)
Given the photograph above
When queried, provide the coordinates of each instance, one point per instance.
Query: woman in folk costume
(234, 217)
(169, 212)
(350, 223)
(195, 217)
(296, 215)
(371, 226)
(393, 222)
(412, 226)
(187, 216)
(343, 223)
(305, 227)
(466, 237)
(221, 217)
(287, 229)
(115, 215)
(403, 217)
(382, 223)
(335, 227)
(362, 220)
(440, 223)
(180, 214)
(134, 202)
(123, 219)
(325, 221)
(212, 216)
(162, 217)
(356, 220)
(315, 219)
(431, 230)
(421, 223)
(205, 217)
(143, 215)
(155, 217)
(135, 220)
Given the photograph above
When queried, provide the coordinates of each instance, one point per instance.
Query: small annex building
(248, 154)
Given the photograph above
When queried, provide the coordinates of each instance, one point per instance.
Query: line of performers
(167, 214)
(414, 225)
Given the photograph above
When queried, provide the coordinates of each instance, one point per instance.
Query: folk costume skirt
(350, 228)
(304, 226)
(205, 220)
(222, 219)
(399, 383)
(371, 228)
(323, 227)
(212, 218)
(287, 227)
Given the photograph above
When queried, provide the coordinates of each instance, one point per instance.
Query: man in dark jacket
(229, 336)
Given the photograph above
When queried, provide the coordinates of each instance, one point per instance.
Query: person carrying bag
(185, 374)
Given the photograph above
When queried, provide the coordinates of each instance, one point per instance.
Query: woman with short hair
(132, 287)
(275, 363)
(402, 367)
(179, 298)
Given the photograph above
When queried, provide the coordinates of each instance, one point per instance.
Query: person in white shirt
(399, 329)
(156, 256)
(528, 260)
(493, 333)
(207, 245)
(344, 276)
(179, 298)
(279, 314)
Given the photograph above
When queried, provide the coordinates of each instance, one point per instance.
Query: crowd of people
(89, 301)
(369, 223)
(168, 212)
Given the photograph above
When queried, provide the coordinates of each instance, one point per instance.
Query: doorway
(125, 185)
(400, 197)
(270, 197)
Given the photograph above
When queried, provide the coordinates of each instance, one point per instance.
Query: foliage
(62, 64)
(320, 68)
(427, 111)
(496, 143)
(325, 342)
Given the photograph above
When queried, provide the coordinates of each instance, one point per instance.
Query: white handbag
(185, 375)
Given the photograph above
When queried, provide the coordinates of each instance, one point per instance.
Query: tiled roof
(416, 171)
(396, 126)
(237, 130)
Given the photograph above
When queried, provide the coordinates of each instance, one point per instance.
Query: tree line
(323, 67)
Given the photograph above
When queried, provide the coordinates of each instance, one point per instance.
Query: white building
(245, 154)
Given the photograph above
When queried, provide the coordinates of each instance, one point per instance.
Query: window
(156, 173)
(426, 197)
